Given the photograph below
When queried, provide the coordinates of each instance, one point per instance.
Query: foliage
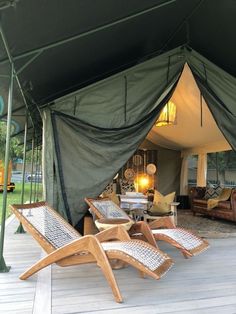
(221, 161)
(16, 150)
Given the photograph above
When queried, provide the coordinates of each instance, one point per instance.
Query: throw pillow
(201, 191)
(161, 203)
(212, 192)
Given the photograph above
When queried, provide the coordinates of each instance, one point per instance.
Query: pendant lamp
(167, 115)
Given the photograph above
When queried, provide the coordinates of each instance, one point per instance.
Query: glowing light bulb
(143, 181)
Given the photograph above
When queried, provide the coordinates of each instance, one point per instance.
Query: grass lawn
(15, 197)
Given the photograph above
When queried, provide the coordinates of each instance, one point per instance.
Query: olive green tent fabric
(89, 156)
(219, 91)
(51, 180)
(97, 129)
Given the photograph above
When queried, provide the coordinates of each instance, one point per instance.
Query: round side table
(105, 223)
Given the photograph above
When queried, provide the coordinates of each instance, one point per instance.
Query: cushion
(212, 192)
(161, 203)
(201, 191)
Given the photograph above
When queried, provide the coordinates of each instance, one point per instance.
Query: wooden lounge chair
(188, 243)
(65, 246)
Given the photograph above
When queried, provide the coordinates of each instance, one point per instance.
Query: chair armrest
(114, 233)
(164, 222)
(196, 192)
(143, 228)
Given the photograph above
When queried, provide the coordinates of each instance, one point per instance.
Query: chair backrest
(45, 224)
(105, 208)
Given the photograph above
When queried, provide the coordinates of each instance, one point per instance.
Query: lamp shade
(167, 115)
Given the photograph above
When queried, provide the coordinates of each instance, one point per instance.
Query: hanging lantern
(167, 115)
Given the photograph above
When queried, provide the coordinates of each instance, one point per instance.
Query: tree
(221, 161)
(16, 150)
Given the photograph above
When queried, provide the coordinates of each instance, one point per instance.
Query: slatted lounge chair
(65, 246)
(188, 243)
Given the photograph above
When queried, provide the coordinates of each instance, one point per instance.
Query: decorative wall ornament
(151, 169)
(129, 174)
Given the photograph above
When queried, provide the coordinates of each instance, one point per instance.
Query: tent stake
(3, 267)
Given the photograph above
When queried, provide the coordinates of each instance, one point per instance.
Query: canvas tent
(51, 60)
(106, 122)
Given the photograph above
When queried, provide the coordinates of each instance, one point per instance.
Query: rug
(206, 227)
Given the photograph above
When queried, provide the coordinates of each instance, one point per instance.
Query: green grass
(15, 197)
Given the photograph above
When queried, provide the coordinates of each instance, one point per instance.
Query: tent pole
(36, 169)
(3, 267)
(32, 168)
(39, 169)
(10, 59)
(24, 158)
(20, 228)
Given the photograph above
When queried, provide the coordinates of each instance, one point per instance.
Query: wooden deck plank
(43, 294)
(203, 284)
(17, 296)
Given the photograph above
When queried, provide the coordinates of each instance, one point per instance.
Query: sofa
(224, 210)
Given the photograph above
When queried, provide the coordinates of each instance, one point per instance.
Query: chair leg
(143, 228)
(105, 266)
(87, 243)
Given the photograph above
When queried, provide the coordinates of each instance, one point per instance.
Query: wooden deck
(203, 284)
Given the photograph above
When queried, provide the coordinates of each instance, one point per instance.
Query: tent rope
(201, 107)
(125, 102)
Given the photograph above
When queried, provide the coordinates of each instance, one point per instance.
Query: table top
(135, 199)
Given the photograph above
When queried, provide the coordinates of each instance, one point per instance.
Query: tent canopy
(67, 46)
(59, 48)
(91, 133)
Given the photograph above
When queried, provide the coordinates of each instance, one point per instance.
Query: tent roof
(69, 45)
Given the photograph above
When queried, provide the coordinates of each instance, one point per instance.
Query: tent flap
(218, 89)
(98, 129)
(89, 156)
